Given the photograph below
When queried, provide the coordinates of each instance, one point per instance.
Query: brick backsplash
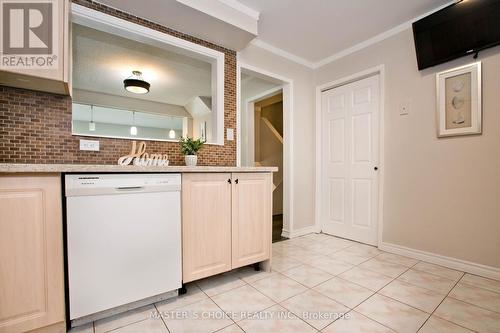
(35, 127)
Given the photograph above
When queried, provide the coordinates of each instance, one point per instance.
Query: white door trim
(288, 186)
(380, 70)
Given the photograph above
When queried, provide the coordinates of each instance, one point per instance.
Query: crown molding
(227, 11)
(350, 50)
(242, 8)
(282, 53)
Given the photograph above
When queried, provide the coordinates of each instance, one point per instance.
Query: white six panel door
(350, 154)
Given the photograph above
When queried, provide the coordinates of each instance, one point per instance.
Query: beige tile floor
(321, 283)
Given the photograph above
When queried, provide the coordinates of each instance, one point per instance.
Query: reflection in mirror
(101, 121)
(123, 88)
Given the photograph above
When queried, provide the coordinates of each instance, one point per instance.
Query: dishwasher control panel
(88, 184)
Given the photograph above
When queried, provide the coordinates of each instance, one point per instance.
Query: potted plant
(190, 147)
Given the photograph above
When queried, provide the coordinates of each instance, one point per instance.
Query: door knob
(229, 180)
(375, 168)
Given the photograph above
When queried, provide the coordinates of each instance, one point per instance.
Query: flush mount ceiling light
(136, 84)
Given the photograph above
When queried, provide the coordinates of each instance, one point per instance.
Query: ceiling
(223, 22)
(101, 62)
(316, 29)
(310, 32)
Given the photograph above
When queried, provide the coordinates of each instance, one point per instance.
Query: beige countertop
(57, 168)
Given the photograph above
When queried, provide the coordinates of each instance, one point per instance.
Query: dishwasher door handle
(129, 188)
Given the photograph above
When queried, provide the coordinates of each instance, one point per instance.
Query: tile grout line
(396, 278)
(231, 319)
(287, 297)
(222, 291)
(384, 325)
(433, 274)
(477, 286)
(161, 317)
(300, 293)
(377, 292)
(129, 324)
(247, 284)
(210, 298)
(374, 292)
(393, 279)
(309, 289)
(475, 305)
(331, 276)
(440, 305)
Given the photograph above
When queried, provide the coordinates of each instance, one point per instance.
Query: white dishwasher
(123, 239)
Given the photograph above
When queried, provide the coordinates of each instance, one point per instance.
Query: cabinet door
(57, 79)
(251, 218)
(206, 225)
(31, 253)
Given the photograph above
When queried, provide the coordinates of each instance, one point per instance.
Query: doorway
(263, 125)
(349, 160)
(268, 149)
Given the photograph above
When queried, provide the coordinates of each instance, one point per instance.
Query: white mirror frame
(107, 23)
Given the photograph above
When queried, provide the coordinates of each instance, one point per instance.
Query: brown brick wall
(35, 127)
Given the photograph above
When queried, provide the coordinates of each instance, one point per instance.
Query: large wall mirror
(136, 83)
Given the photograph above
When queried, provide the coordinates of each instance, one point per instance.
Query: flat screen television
(465, 27)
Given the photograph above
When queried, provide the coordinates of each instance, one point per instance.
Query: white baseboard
(458, 264)
(300, 232)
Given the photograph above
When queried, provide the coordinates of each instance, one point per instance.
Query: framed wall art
(459, 101)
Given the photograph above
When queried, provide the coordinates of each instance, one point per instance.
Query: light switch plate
(230, 134)
(91, 145)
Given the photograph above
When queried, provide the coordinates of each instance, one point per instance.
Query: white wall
(199, 109)
(440, 195)
(303, 128)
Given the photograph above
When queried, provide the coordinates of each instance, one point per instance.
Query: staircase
(271, 154)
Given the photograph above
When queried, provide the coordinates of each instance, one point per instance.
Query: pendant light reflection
(91, 123)
(171, 133)
(133, 129)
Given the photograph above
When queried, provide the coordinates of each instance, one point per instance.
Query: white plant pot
(191, 160)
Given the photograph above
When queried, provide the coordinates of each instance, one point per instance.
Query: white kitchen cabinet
(206, 225)
(31, 254)
(55, 80)
(251, 218)
(226, 222)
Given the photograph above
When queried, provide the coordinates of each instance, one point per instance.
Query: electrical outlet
(404, 108)
(91, 145)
